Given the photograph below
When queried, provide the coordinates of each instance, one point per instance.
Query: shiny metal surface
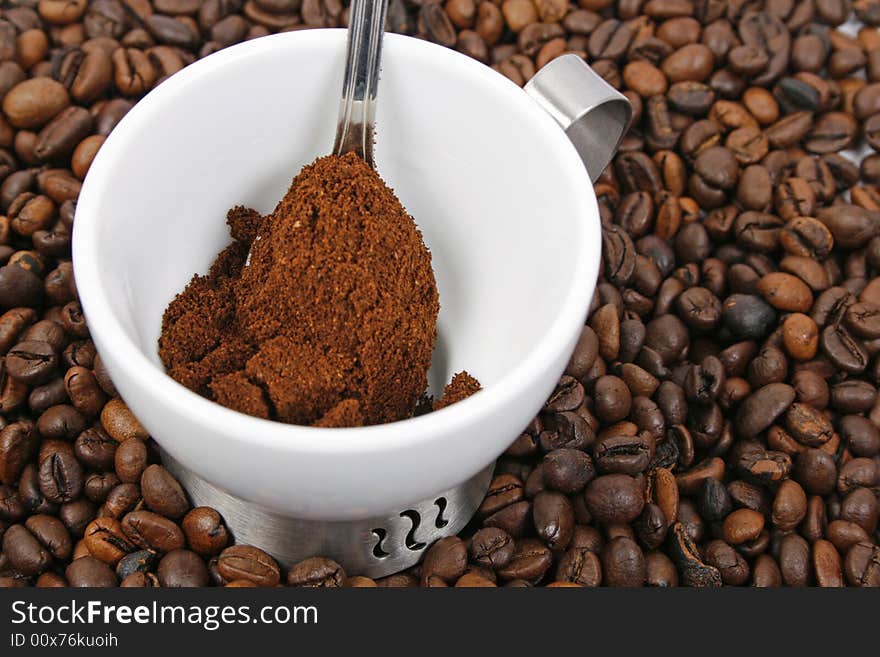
(357, 113)
(374, 547)
(593, 114)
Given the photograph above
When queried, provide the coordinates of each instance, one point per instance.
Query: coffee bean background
(719, 421)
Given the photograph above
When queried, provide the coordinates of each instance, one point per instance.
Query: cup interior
(502, 200)
(482, 187)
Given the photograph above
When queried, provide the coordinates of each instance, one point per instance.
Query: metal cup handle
(593, 114)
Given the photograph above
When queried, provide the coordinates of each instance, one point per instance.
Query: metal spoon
(357, 111)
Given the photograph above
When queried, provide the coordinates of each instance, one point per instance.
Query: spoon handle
(357, 113)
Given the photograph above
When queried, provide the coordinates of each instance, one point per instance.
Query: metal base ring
(374, 547)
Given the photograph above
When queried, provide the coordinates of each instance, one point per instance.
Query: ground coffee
(333, 320)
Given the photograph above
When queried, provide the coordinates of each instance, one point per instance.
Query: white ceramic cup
(500, 194)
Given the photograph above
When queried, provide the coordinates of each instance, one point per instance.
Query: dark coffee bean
(651, 526)
(863, 319)
(151, 531)
(789, 130)
(694, 571)
(762, 407)
(730, 564)
(660, 571)
(794, 561)
(491, 547)
(807, 425)
(763, 466)
(98, 486)
(31, 362)
(619, 254)
(861, 507)
(860, 435)
(162, 493)
(816, 471)
(182, 568)
(25, 553)
(857, 473)
(60, 136)
(504, 490)
(18, 445)
(61, 477)
(531, 560)
(714, 501)
(850, 225)
(567, 470)
(206, 534)
(843, 350)
(96, 449)
(623, 454)
(245, 562)
(747, 316)
(623, 563)
(581, 566)
(614, 498)
(61, 421)
(554, 519)
(140, 562)
(133, 72)
(130, 460)
(76, 515)
(862, 565)
(584, 355)
(89, 572)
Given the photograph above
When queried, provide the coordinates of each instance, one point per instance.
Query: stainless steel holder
(595, 118)
(374, 547)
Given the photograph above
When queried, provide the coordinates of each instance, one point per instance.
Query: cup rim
(249, 430)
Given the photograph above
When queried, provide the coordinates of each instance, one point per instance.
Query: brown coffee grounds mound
(462, 386)
(333, 320)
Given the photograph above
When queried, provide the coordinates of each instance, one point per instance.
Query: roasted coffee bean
(105, 540)
(83, 391)
(504, 490)
(162, 493)
(694, 571)
(860, 435)
(794, 561)
(182, 568)
(567, 470)
(491, 547)
(76, 515)
(762, 407)
(816, 471)
(120, 423)
(862, 565)
(18, 444)
(206, 534)
(95, 449)
(530, 561)
(807, 425)
(844, 350)
(61, 477)
(614, 498)
(245, 562)
(151, 531)
(31, 362)
(130, 460)
(554, 519)
(140, 562)
(623, 454)
(89, 572)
